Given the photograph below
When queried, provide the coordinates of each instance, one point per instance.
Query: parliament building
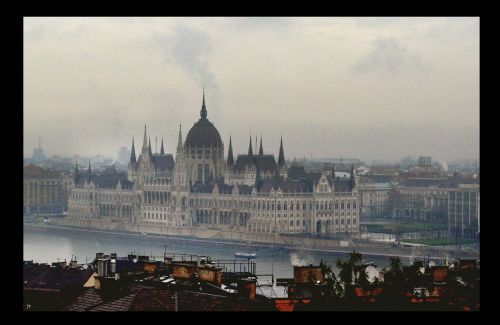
(203, 187)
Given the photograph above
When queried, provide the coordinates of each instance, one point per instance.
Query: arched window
(200, 173)
(207, 172)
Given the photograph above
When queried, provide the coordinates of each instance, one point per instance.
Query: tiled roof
(121, 304)
(154, 300)
(46, 277)
(196, 301)
(87, 300)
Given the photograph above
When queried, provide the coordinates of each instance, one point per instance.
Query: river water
(50, 245)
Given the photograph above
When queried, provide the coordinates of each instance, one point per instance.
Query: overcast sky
(369, 88)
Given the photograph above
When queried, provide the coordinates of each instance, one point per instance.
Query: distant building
(123, 156)
(454, 201)
(38, 154)
(424, 161)
(463, 210)
(374, 200)
(45, 190)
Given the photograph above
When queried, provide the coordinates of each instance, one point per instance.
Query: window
(207, 172)
(200, 173)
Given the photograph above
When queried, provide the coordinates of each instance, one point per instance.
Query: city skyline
(376, 88)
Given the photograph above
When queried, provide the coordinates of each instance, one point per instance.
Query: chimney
(247, 288)
(103, 267)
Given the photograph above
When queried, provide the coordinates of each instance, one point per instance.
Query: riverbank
(365, 248)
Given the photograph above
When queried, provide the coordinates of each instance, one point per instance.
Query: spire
(203, 112)
(230, 159)
(132, 154)
(150, 152)
(145, 141)
(89, 174)
(352, 181)
(261, 152)
(162, 151)
(250, 151)
(76, 173)
(179, 142)
(281, 157)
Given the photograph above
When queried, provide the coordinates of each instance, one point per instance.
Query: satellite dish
(432, 263)
(134, 260)
(371, 273)
(85, 266)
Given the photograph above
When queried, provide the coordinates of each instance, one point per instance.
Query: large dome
(203, 134)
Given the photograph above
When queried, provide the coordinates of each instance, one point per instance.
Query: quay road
(363, 247)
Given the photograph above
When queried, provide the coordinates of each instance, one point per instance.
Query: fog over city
(367, 88)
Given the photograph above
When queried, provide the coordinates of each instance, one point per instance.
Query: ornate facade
(201, 188)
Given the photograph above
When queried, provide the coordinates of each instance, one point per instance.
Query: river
(50, 245)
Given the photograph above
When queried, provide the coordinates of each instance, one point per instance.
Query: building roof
(264, 163)
(197, 301)
(296, 172)
(31, 171)
(342, 185)
(56, 278)
(203, 133)
(164, 162)
(436, 182)
(286, 186)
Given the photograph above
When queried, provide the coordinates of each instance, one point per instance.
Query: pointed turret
(89, 174)
(149, 149)
(203, 112)
(179, 141)
(281, 157)
(162, 151)
(230, 159)
(250, 150)
(352, 181)
(132, 155)
(76, 174)
(261, 152)
(145, 141)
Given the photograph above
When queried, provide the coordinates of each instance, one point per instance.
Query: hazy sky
(370, 88)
